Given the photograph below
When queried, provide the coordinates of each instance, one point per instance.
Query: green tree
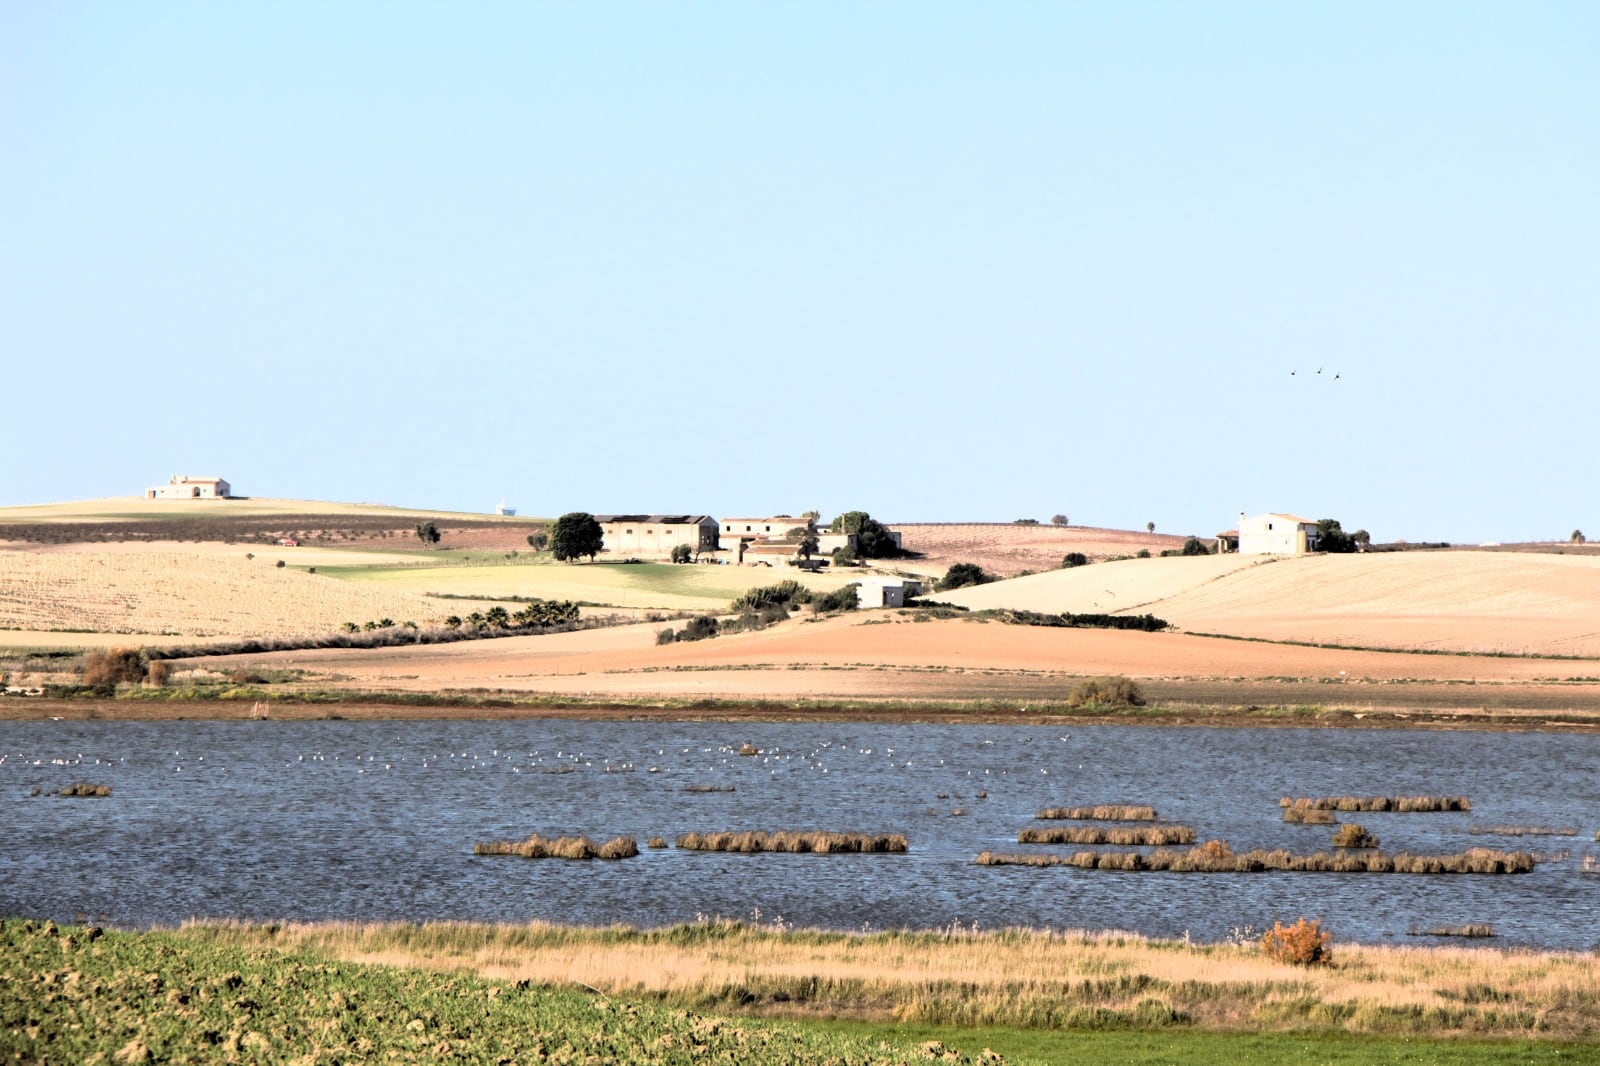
(1059, 520)
(1332, 538)
(807, 545)
(962, 574)
(1363, 539)
(538, 541)
(1195, 546)
(873, 539)
(682, 553)
(1578, 537)
(428, 533)
(1149, 527)
(576, 534)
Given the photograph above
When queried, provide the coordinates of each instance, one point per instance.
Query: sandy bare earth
(1495, 602)
(1006, 548)
(886, 656)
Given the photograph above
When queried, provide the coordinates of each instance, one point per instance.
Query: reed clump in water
(1123, 836)
(1391, 804)
(655, 843)
(1352, 835)
(84, 790)
(1471, 931)
(542, 847)
(1522, 831)
(1105, 812)
(1214, 856)
(750, 842)
(1308, 816)
(708, 788)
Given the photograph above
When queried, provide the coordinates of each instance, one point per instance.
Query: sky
(1156, 262)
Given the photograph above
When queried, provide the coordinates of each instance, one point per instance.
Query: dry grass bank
(1022, 978)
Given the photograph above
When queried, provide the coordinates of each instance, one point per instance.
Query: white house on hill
(184, 487)
(1276, 534)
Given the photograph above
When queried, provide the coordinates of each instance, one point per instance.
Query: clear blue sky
(938, 262)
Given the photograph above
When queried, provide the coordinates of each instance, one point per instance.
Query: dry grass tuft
(1522, 831)
(1106, 812)
(1308, 816)
(655, 843)
(540, 847)
(1353, 835)
(1390, 804)
(794, 842)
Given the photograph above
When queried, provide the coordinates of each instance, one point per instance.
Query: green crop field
(657, 585)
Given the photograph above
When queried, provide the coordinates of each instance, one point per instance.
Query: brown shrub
(1106, 692)
(795, 842)
(160, 673)
(539, 847)
(1122, 836)
(107, 669)
(1308, 816)
(1301, 944)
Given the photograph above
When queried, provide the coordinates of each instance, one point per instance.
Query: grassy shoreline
(1010, 978)
(247, 703)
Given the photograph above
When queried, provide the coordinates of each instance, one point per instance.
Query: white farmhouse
(184, 487)
(655, 535)
(1276, 534)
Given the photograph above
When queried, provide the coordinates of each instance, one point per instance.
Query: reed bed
(541, 847)
(1219, 859)
(791, 841)
(84, 790)
(1013, 977)
(1308, 816)
(1105, 812)
(1522, 831)
(1123, 836)
(708, 788)
(1390, 804)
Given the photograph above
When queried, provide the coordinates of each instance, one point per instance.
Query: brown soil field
(1487, 602)
(189, 594)
(892, 657)
(1008, 549)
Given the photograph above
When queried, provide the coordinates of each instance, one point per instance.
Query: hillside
(1451, 601)
(1006, 548)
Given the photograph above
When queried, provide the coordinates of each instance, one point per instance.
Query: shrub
(962, 574)
(1301, 944)
(666, 636)
(160, 672)
(682, 553)
(846, 556)
(538, 541)
(281, 564)
(1351, 835)
(845, 599)
(703, 627)
(784, 592)
(1195, 546)
(1106, 692)
(1058, 520)
(1072, 559)
(107, 669)
(1144, 553)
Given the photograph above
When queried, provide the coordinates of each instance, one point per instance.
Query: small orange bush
(1302, 944)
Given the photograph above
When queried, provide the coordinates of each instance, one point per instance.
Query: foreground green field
(80, 995)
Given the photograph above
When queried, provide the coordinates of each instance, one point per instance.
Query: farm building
(887, 592)
(1271, 534)
(656, 535)
(774, 528)
(184, 487)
